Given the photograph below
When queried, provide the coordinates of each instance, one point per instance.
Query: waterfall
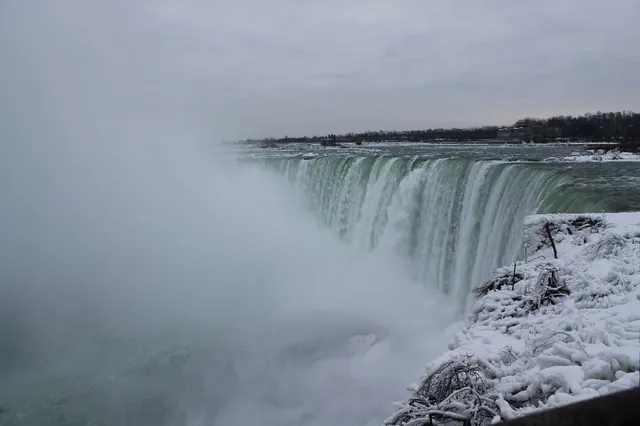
(454, 220)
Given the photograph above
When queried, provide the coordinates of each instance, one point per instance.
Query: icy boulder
(563, 326)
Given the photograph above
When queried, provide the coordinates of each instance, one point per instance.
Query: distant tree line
(601, 126)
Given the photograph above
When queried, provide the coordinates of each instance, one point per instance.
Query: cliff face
(564, 327)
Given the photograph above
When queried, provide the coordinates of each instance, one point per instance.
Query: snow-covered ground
(598, 156)
(563, 330)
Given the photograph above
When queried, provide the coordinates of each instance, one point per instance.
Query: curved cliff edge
(558, 331)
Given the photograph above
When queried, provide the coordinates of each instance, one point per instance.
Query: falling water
(454, 220)
(145, 283)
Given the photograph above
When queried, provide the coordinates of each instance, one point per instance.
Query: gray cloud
(299, 66)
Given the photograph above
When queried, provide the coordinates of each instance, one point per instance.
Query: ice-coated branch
(547, 228)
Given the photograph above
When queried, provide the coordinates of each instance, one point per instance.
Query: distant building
(504, 134)
(521, 133)
(529, 133)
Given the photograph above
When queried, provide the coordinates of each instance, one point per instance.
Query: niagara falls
(201, 224)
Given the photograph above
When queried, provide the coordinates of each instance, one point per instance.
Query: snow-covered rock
(563, 330)
(597, 156)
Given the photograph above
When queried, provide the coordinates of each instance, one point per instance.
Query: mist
(127, 235)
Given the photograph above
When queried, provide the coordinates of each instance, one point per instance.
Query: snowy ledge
(558, 331)
(597, 156)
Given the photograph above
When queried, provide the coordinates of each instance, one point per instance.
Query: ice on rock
(596, 368)
(626, 381)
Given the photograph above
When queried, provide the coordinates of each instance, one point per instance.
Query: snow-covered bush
(561, 227)
(498, 282)
(558, 330)
(548, 289)
(455, 392)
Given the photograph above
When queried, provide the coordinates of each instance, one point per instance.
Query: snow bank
(558, 331)
(597, 156)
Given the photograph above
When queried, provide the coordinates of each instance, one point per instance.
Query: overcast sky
(294, 67)
(300, 66)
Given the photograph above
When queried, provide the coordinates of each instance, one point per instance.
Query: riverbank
(562, 328)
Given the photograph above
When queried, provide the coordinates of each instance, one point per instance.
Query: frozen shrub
(455, 393)
(546, 291)
(498, 282)
(609, 245)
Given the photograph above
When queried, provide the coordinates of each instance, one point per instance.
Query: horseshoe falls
(453, 220)
(148, 279)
